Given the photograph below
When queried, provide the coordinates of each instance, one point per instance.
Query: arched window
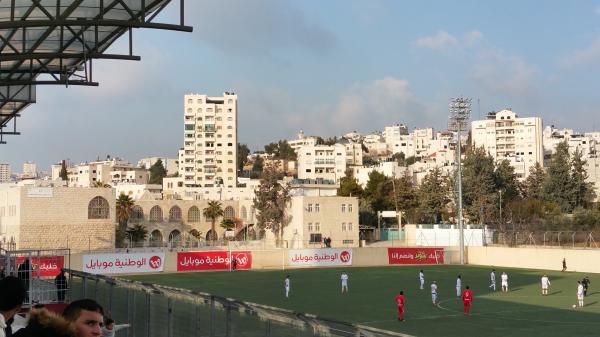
(194, 214)
(137, 214)
(228, 213)
(175, 237)
(175, 213)
(98, 208)
(156, 238)
(156, 214)
(212, 235)
(243, 212)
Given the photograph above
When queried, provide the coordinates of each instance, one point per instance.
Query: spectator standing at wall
(60, 281)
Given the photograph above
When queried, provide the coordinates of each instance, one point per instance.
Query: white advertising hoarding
(320, 257)
(123, 263)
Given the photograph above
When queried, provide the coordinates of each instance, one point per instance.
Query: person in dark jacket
(61, 286)
(23, 273)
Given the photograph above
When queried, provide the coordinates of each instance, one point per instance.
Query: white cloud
(587, 55)
(472, 37)
(256, 27)
(500, 73)
(440, 41)
(370, 105)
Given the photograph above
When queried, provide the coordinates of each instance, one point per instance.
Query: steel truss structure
(55, 41)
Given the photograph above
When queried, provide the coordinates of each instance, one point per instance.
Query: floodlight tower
(460, 109)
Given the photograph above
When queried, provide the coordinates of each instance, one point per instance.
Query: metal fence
(565, 239)
(161, 311)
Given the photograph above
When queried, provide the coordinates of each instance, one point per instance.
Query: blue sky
(325, 67)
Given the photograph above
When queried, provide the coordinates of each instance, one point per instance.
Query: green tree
(271, 201)
(404, 196)
(124, 205)
(196, 233)
(433, 196)
(63, 171)
(349, 186)
(212, 212)
(281, 150)
(137, 233)
(242, 155)
(479, 185)
(228, 224)
(533, 186)
(258, 164)
(157, 173)
(582, 194)
(558, 187)
(100, 184)
(377, 192)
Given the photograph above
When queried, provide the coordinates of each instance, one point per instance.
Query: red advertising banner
(44, 266)
(429, 255)
(212, 260)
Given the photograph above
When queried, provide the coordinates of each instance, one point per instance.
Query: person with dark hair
(61, 286)
(87, 316)
(12, 296)
(586, 283)
(109, 328)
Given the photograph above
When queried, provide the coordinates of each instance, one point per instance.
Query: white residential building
(389, 169)
(376, 145)
(301, 141)
(416, 143)
(322, 162)
(111, 171)
(29, 170)
(4, 172)
(354, 152)
(585, 143)
(168, 163)
(506, 136)
(209, 155)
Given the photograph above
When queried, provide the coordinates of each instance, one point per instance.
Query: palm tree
(100, 184)
(228, 224)
(137, 233)
(124, 206)
(212, 212)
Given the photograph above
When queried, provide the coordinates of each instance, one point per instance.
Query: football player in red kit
(467, 297)
(400, 301)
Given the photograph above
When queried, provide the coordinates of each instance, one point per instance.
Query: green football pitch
(523, 311)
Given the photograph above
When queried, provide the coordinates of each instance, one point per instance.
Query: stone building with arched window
(57, 217)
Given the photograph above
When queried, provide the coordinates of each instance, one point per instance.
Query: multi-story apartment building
(111, 171)
(585, 143)
(506, 136)
(416, 143)
(4, 172)
(209, 154)
(354, 152)
(29, 170)
(322, 162)
(168, 163)
(301, 141)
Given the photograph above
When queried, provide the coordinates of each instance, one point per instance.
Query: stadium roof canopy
(55, 41)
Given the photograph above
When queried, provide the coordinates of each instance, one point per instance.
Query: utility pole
(460, 109)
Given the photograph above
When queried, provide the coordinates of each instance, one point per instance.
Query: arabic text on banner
(320, 257)
(212, 260)
(429, 255)
(44, 266)
(123, 263)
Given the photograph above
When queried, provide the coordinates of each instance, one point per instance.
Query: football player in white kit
(545, 284)
(344, 279)
(434, 293)
(422, 278)
(286, 284)
(493, 279)
(579, 294)
(504, 279)
(458, 286)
